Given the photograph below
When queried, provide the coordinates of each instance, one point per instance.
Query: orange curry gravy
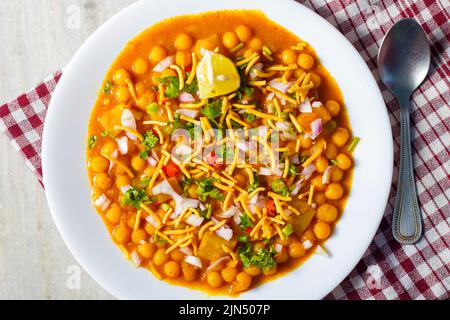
(137, 239)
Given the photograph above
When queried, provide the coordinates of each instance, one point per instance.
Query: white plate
(65, 135)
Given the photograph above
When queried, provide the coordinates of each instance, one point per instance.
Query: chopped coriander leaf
(143, 155)
(144, 183)
(333, 162)
(205, 189)
(353, 144)
(157, 239)
(244, 238)
(245, 222)
(106, 133)
(150, 140)
(108, 87)
(255, 185)
(280, 187)
(249, 117)
(152, 108)
(213, 109)
(264, 258)
(91, 141)
(303, 158)
(288, 230)
(134, 197)
(293, 170)
(207, 213)
(330, 127)
(191, 88)
(244, 91)
(172, 86)
(186, 184)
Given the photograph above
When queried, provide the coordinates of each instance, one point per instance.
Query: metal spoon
(403, 64)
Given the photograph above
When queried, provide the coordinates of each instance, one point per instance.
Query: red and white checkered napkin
(387, 270)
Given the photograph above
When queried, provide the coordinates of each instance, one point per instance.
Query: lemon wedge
(217, 76)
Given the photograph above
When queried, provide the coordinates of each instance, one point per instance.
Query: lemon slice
(217, 76)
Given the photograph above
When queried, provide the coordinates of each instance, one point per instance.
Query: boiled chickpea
(256, 44)
(189, 271)
(230, 40)
(296, 250)
(340, 137)
(157, 54)
(183, 42)
(305, 61)
(149, 228)
(282, 256)
(344, 162)
(140, 88)
(122, 234)
(183, 59)
(207, 44)
(114, 214)
(321, 164)
(244, 33)
(177, 255)
(137, 163)
(322, 230)
(316, 80)
(172, 269)
(99, 164)
(242, 283)
(109, 148)
(122, 94)
(288, 56)
(317, 183)
(249, 52)
(160, 257)
(140, 66)
(320, 198)
(120, 77)
(147, 250)
(103, 181)
(337, 174)
(168, 73)
(332, 151)
(214, 279)
(333, 107)
(241, 179)
(327, 213)
(123, 181)
(131, 220)
(308, 235)
(139, 235)
(334, 191)
(253, 271)
(268, 272)
(229, 274)
(305, 143)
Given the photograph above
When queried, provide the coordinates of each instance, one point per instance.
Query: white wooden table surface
(39, 37)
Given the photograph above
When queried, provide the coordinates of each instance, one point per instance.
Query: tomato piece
(249, 230)
(271, 209)
(172, 170)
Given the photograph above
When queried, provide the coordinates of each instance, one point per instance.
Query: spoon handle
(407, 224)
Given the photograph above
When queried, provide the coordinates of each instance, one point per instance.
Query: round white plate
(65, 134)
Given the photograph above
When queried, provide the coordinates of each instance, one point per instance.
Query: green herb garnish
(293, 170)
(212, 110)
(205, 189)
(152, 108)
(255, 185)
(288, 230)
(134, 197)
(249, 117)
(150, 141)
(108, 87)
(245, 222)
(207, 213)
(91, 141)
(264, 258)
(280, 187)
(244, 238)
(353, 144)
(191, 88)
(172, 86)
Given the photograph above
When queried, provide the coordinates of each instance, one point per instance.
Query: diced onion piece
(226, 234)
(194, 220)
(280, 85)
(237, 218)
(229, 213)
(122, 143)
(316, 104)
(308, 171)
(297, 186)
(189, 113)
(164, 64)
(127, 119)
(270, 96)
(305, 107)
(125, 188)
(194, 261)
(256, 67)
(294, 159)
(283, 126)
(102, 202)
(307, 244)
(181, 203)
(186, 97)
(278, 247)
(326, 175)
(152, 221)
(186, 250)
(263, 171)
(254, 199)
(288, 212)
(218, 262)
(152, 161)
(316, 128)
(135, 258)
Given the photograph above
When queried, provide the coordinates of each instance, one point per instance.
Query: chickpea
(183, 42)
(322, 230)
(317, 183)
(123, 181)
(183, 59)
(99, 164)
(305, 61)
(189, 271)
(253, 271)
(333, 107)
(139, 235)
(140, 88)
(160, 257)
(103, 181)
(206, 44)
(122, 234)
(214, 279)
(288, 56)
(256, 44)
(177, 255)
(327, 213)
(283, 256)
(114, 214)
(244, 33)
(320, 198)
(249, 52)
(241, 180)
(334, 191)
(137, 163)
(308, 235)
(242, 283)
(122, 94)
(269, 272)
(344, 162)
(168, 73)
(172, 269)
(340, 137)
(230, 40)
(321, 164)
(140, 66)
(332, 151)
(337, 174)
(316, 80)
(306, 143)
(296, 250)
(157, 54)
(229, 274)
(109, 148)
(120, 77)
(149, 228)
(131, 220)
(147, 250)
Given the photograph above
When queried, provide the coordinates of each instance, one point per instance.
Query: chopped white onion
(270, 96)
(280, 85)
(154, 154)
(288, 212)
(181, 203)
(152, 221)
(297, 186)
(264, 171)
(186, 97)
(152, 161)
(229, 213)
(182, 151)
(164, 64)
(186, 250)
(226, 234)
(283, 126)
(102, 202)
(326, 175)
(127, 119)
(189, 113)
(316, 104)
(194, 220)
(305, 107)
(278, 247)
(122, 143)
(218, 262)
(237, 218)
(286, 135)
(308, 171)
(316, 128)
(135, 258)
(254, 199)
(307, 244)
(201, 206)
(294, 159)
(194, 261)
(125, 188)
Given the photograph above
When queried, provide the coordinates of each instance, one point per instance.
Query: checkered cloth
(387, 270)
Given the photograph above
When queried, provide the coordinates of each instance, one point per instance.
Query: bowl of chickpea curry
(221, 158)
